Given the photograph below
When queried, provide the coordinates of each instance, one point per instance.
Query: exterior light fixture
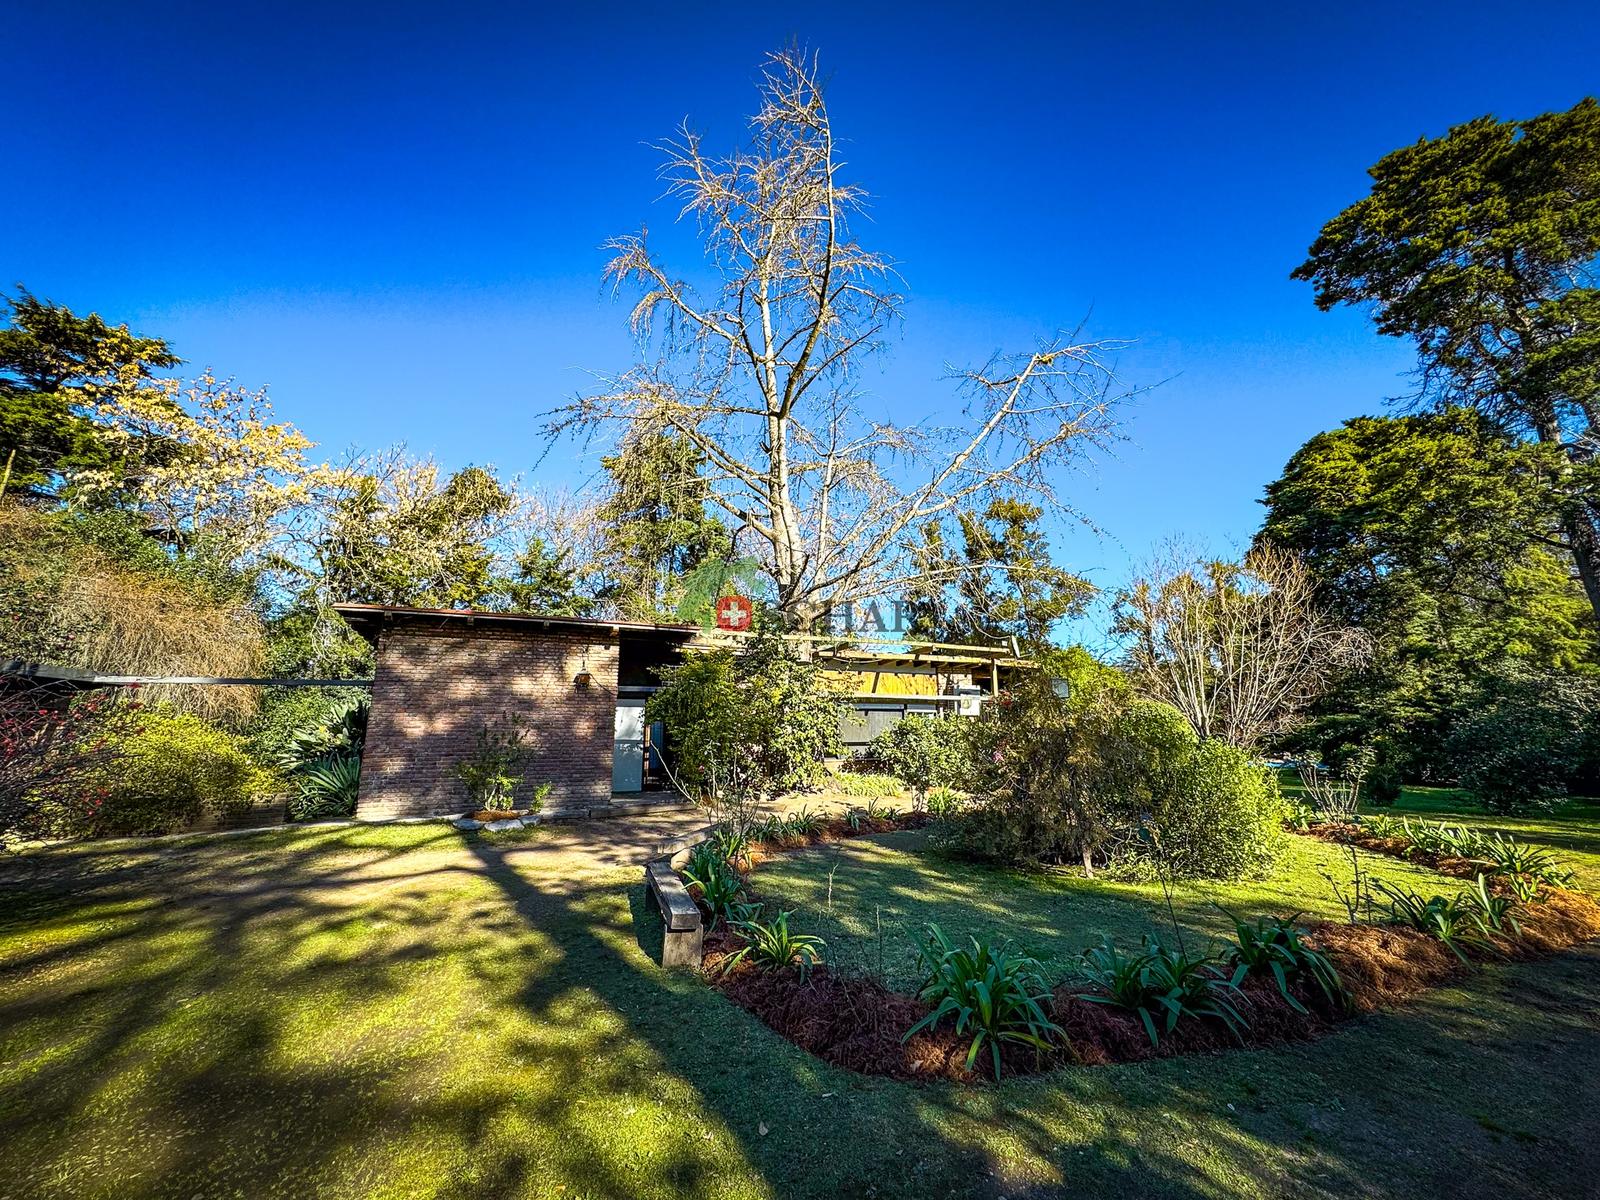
(583, 678)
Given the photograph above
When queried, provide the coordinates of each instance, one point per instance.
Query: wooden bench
(685, 934)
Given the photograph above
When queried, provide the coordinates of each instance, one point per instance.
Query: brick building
(580, 687)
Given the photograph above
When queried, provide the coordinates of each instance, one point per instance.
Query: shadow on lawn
(807, 1128)
(225, 1023)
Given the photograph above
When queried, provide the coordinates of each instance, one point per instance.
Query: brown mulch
(1353, 835)
(850, 1021)
(836, 829)
(1385, 965)
(857, 1023)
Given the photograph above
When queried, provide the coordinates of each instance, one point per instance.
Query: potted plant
(495, 769)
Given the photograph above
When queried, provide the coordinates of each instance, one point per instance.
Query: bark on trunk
(1584, 540)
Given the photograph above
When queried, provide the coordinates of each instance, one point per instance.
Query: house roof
(862, 652)
(369, 619)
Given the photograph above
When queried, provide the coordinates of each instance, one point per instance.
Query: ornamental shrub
(1102, 777)
(923, 752)
(1222, 817)
(761, 716)
(171, 768)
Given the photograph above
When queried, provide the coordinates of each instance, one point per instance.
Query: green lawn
(412, 1012)
(850, 891)
(1572, 830)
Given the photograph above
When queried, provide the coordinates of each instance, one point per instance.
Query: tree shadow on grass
(449, 1017)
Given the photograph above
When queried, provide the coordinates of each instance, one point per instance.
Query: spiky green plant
(1162, 985)
(1493, 913)
(1383, 825)
(1275, 946)
(992, 993)
(328, 788)
(1508, 857)
(1448, 918)
(773, 945)
(731, 843)
(718, 884)
(802, 825)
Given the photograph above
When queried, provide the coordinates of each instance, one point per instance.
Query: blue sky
(392, 214)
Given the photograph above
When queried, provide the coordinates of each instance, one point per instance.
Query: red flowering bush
(55, 752)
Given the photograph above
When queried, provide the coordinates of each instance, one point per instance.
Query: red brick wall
(433, 691)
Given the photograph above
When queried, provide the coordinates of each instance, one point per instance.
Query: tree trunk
(1577, 520)
(1584, 540)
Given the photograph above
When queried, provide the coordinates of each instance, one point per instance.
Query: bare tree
(1240, 648)
(759, 371)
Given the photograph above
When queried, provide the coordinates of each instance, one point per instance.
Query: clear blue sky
(391, 213)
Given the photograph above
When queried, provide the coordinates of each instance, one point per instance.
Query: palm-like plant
(773, 944)
(1275, 946)
(994, 995)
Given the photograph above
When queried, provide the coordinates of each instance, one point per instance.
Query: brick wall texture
(432, 691)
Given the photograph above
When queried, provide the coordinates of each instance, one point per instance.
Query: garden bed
(855, 1021)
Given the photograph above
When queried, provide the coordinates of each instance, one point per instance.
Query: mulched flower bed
(857, 1023)
(1392, 847)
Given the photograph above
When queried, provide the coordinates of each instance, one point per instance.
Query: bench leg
(682, 948)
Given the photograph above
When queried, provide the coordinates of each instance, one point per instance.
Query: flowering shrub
(55, 755)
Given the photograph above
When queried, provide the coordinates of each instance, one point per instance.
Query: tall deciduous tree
(758, 373)
(1241, 649)
(1481, 246)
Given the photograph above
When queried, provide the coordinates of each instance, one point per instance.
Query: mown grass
(1571, 830)
(416, 1013)
(871, 897)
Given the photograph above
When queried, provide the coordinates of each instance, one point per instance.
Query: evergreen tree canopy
(57, 372)
(1481, 246)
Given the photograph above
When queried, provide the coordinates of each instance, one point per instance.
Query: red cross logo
(734, 612)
